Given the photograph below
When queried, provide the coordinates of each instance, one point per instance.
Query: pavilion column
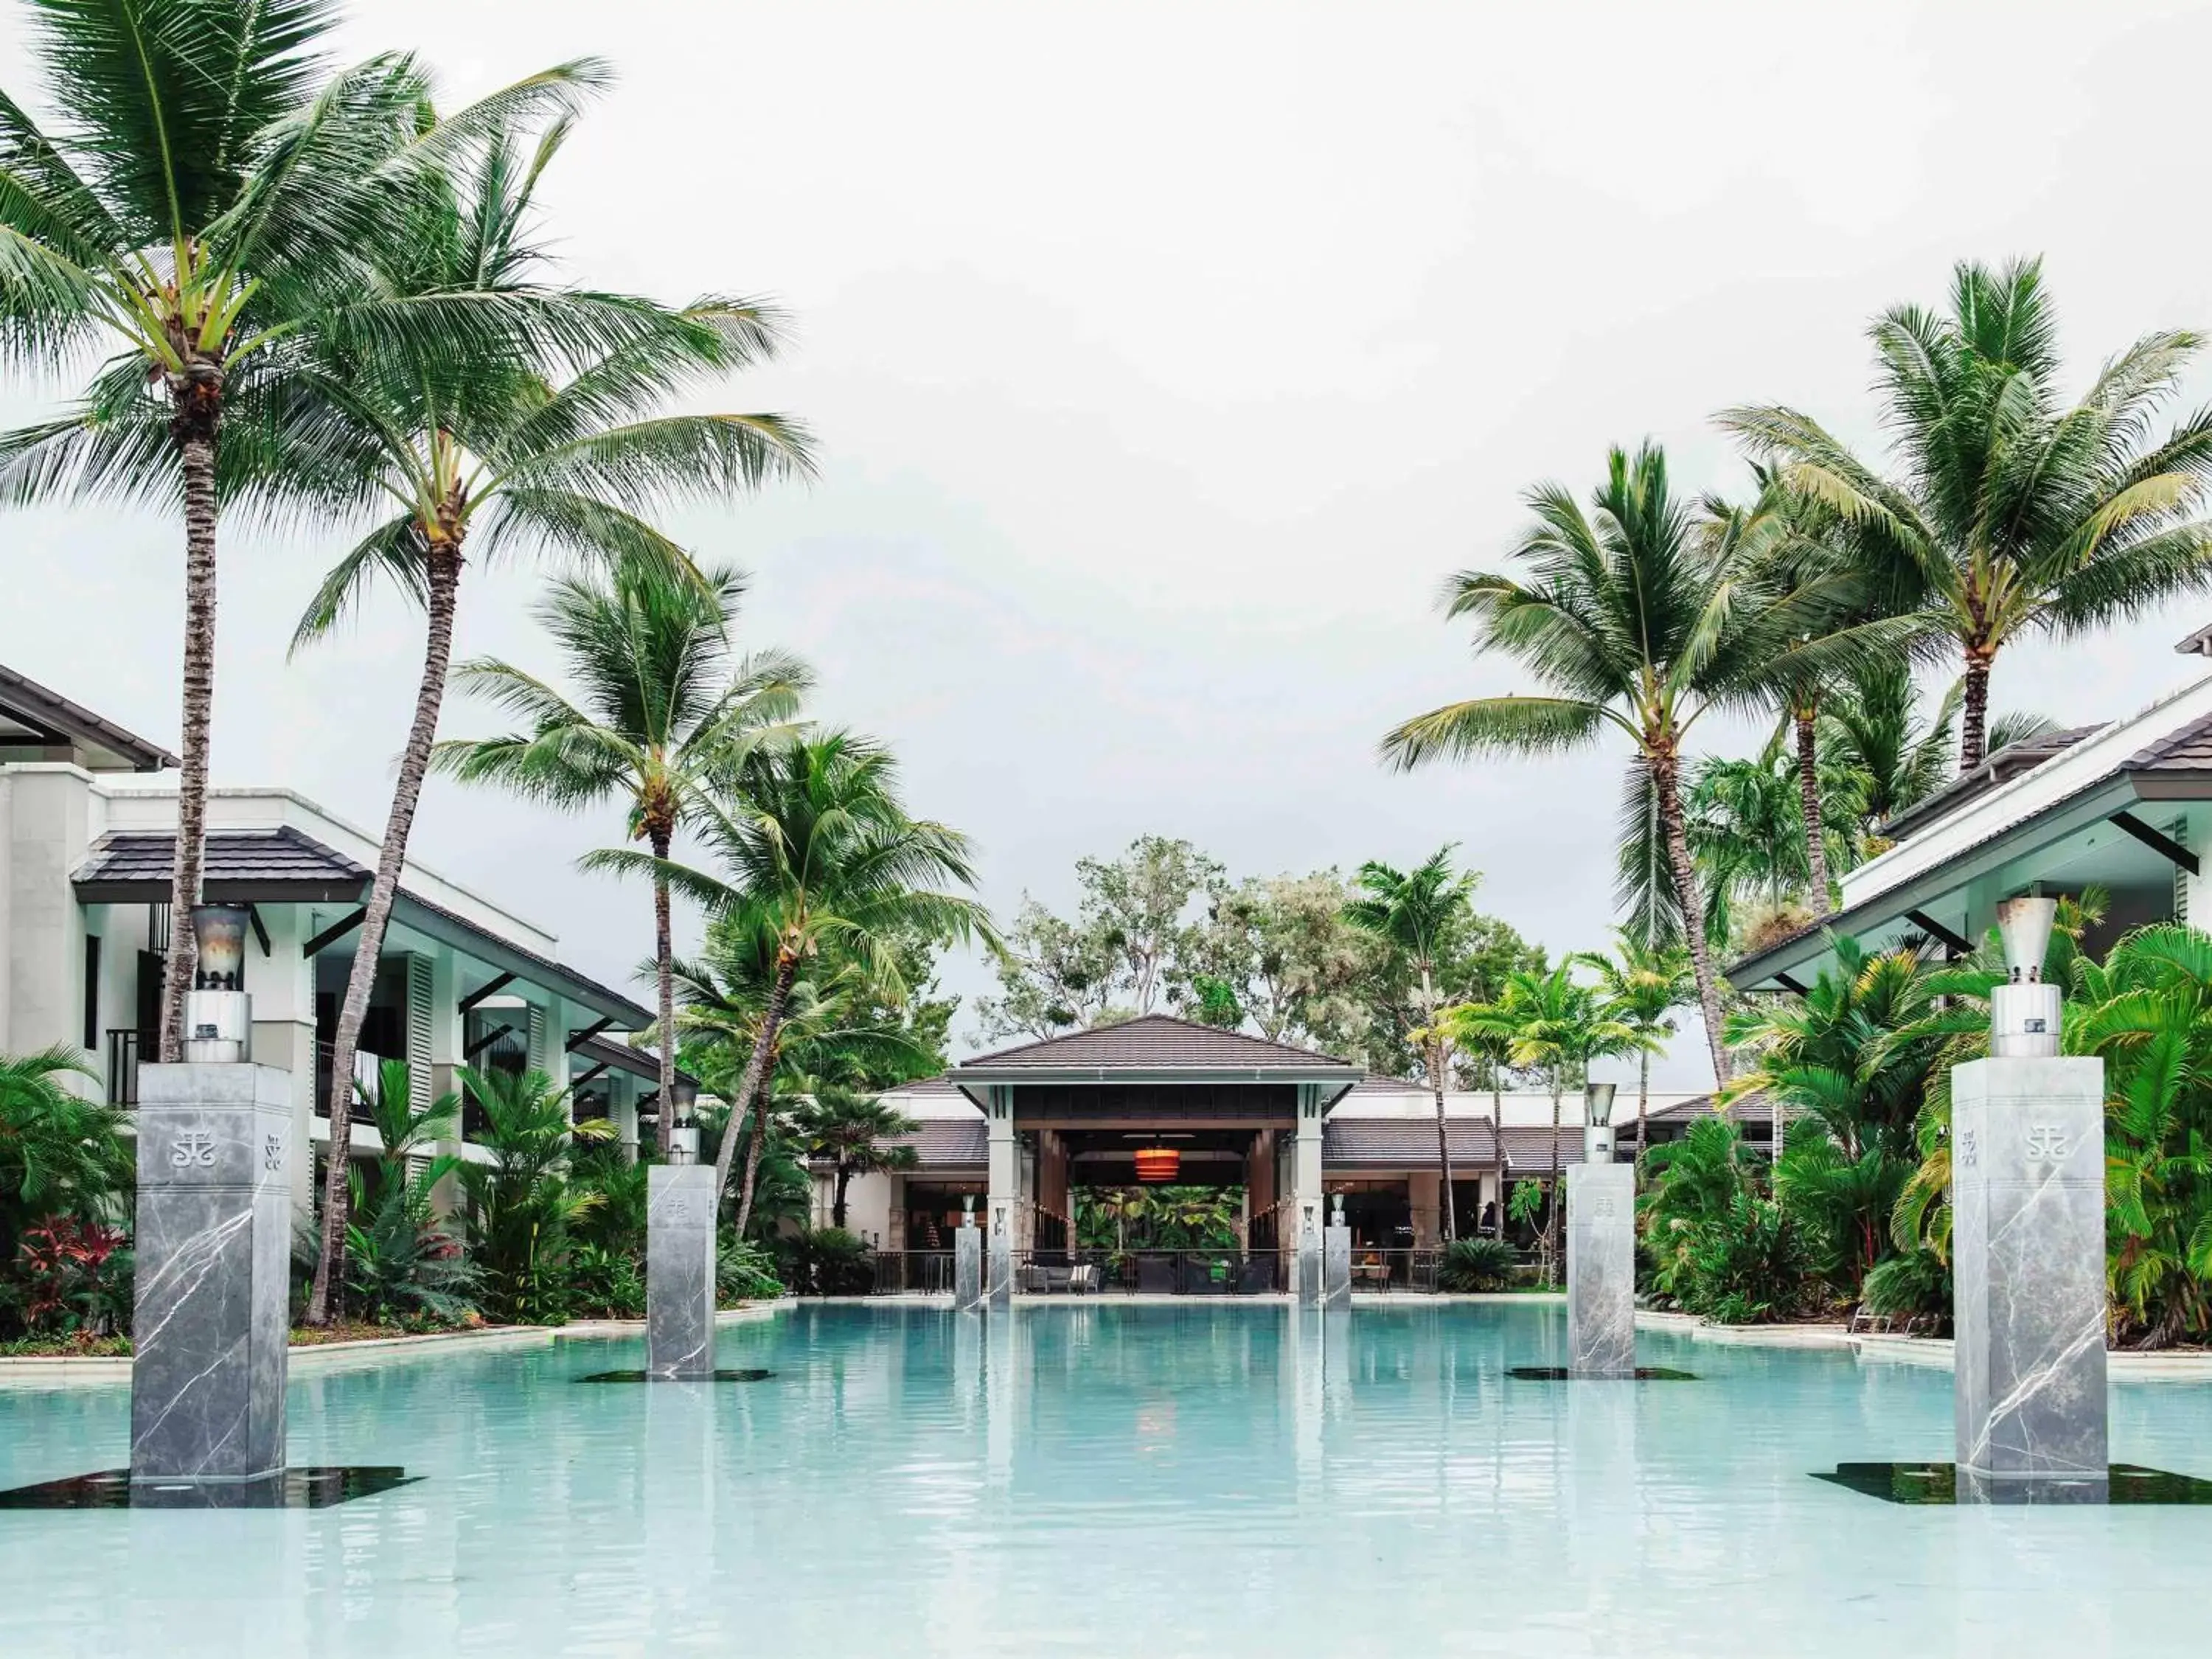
(1005, 1197)
(1306, 1194)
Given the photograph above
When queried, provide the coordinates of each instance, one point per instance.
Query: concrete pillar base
(679, 1270)
(1601, 1269)
(968, 1269)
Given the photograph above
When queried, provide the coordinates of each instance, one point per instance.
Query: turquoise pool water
(1114, 1480)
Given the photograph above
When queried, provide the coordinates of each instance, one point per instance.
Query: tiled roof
(948, 1142)
(2009, 762)
(1529, 1148)
(235, 858)
(1159, 1043)
(42, 712)
(2189, 749)
(1402, 1143)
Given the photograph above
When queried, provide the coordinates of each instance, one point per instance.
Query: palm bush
(743, 1272)
(1913, 1283)
(1476, 1264)
(403, 1264)
(1753, 1262)
(60, 1154)
(525, 1204)
(826, 1261)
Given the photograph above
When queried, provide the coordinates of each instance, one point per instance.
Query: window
(92, 991)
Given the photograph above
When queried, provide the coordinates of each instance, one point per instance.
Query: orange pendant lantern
(1158, 1164)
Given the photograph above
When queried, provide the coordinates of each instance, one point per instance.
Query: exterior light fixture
(1158, 1164)
(1597, 1122)
(218, 1014)
(966, 1209)
(2024, 1012)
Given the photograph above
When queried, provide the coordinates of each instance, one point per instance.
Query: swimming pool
(1196, 1479)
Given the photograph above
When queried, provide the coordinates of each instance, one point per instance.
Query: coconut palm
(204, 204)
(661, 705)
(1641, 985)
(1636, 624)
(1412, 915)
(810, 840)
(482, 451)
(848, 1128)
(2011, 514)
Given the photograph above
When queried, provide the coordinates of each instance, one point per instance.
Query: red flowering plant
(71, 1277)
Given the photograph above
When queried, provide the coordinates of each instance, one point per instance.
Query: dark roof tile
(1158, 1043)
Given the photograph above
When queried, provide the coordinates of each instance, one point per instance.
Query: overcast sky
(1164, 360)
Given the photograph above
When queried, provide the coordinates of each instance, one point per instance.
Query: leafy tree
(60, 1154)
(1409, 915)
(814, 849)
(1559, 1025)
(1639, 987)
(1632, 623)
(2011, 513)
(1054, 976)
(202, 213)
(850, 1129)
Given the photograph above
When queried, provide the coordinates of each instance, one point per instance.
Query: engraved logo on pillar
(1602, 1207)
(272, 1154)
(1970, 1149)
(676, 1208)
(2048, 1142)
(195, 1150)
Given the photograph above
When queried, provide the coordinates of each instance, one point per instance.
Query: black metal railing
(123, 1049)
(912, 1273)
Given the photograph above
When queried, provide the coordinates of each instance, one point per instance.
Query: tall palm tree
(1635, 624)
(479, 450)
(661, 708)
(2011, 513)
(810, 839)
(1641, 985)
(1413, 915)
(849, 1127)
(205, 199)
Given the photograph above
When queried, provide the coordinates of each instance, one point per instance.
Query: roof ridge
(1154, 1018)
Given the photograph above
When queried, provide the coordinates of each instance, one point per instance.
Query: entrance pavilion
(1075, 1111)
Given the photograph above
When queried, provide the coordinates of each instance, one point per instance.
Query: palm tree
(1557, 1023)
(59, 1153)
(661, 708)
(206, 200)
(1412, 915)
(1636, 625)
(2012, 513)
(814, 845)
(1640, 985)
(848, 1128)
(523, 1202)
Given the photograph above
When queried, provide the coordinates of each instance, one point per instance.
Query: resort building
(2125, 807)
(87, 834)
(1015, 1134)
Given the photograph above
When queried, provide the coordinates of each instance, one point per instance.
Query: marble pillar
(2027, 1205)
(966, 1268)
(1601, 1269)
(214, 1246)
(679, 1270)
(1306, 1196)
(1005, 1197)
(1336, 1265)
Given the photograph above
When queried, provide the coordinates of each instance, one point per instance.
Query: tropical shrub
(1752, 1263)
(743, 1272)
(1911, 1284)
(60, 1154)
(523, 1204)
(604, 1284)
(403, 1264)
(827, 1261)
(1476, 1264)
(71, 1277)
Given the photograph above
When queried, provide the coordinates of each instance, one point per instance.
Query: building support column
(1600, 1220)
(1005, 1198)
(1306, 1194)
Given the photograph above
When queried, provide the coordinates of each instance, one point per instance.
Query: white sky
(1164, 359)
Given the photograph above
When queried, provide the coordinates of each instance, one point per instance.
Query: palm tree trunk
(1498, 1142)
(1665, 782)
(1808, 791)
(1973, 728)
(1642, 1110)
(664, 960)
(444, 592)
(837, 1199)
(1552, 1210)
(195, 431)
(1435, 1046)
(751, 1088)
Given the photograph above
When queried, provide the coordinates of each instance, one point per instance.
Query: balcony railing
(122, 1067)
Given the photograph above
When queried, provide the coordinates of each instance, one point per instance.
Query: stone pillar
(679, 1270)
(214, 1240)
(2027, 1207)
(1601, 1269)
(1306, 1194)
(1006, 1196)
(1336, 1263)
(967, 1265)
